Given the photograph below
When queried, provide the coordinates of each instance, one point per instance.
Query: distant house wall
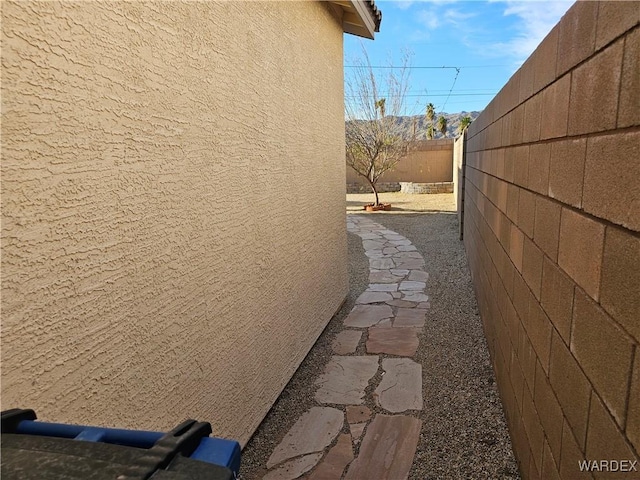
(551, 229)
(173, 230)
(428, 161)
(458, 177)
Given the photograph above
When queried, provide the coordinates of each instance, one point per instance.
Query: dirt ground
(403, 202)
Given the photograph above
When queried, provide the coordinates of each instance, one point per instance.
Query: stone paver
(372, 244)
(358, 413)
(402, 303)
(333, 465)
(410, 263)
(370, 236)
(412, 285)
(345, 379)
(393, 310)
(346, 342)
(294, 468)
(399, 271)
(381, 263)
(418, 276)
(387, 449)
(401, 386)
(367, 315)
(400, 243)
(313, 432)
(393, 341)
(373, 297)
(416, 297)
(409, 317)
(384, 276)
(357, 429)
(383, 287)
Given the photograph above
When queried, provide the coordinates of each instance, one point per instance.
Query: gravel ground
(464, 433)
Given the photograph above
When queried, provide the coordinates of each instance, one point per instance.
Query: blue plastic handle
(217, 451)
(129, 438)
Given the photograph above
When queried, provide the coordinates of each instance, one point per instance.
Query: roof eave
(358, 17)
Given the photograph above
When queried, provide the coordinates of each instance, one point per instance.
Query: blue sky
(487, 40)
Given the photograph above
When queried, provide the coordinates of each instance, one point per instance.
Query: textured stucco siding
(173, 230)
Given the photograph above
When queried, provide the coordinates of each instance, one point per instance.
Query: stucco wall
(551, 229)
(173, 230)
(428, 161)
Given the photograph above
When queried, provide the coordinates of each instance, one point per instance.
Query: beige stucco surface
(173, 232)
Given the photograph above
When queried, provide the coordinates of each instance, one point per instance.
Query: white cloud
(531, 21)
(536, 19)
(403, 5)
(457, 18)
(429, 19)
(434, 18)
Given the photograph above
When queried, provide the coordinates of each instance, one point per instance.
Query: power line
(392, 66)
(434, 67)
(445, 91)
(451, 89)
(449, 93)
(428, 95)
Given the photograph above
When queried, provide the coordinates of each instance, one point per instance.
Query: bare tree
(373, 102)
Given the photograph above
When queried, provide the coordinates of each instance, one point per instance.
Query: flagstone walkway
(374, 364)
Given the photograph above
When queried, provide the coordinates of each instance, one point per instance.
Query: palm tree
(442, 125)
(464, 123)
(431, 115)
(381, 105)
(431, 112)
(430, 132)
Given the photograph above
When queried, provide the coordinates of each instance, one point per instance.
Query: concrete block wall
(358, 187)
(419, 188)
(552, 233)
(427, 161)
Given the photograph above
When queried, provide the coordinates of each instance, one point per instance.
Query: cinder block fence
(551, 220)
(428, 161)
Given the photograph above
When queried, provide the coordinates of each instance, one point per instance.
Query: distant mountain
(453, 120)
